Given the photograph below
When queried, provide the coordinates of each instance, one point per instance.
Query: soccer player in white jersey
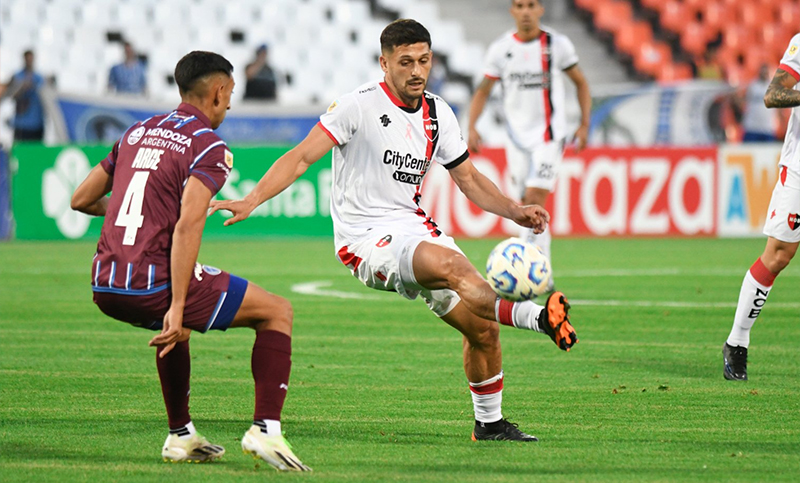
(531, 64)
(783, 219)
(384, 137)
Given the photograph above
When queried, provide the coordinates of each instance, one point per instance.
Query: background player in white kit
(384, 136)
(530, 64)
(783, 219)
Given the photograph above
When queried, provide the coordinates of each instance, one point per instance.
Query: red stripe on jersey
(491, 77)
(784, 172)
(319, 123)
(397, 102)
(505, 312)
(491, 388)
(518, 39)
(548, 105)
(426, 129)
(349, 259)
(791, 71)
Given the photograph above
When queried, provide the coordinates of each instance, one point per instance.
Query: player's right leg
(437, 267)
(756, 287)
(271, 316)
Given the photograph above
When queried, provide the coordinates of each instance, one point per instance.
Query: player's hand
(581, 138)
(474, 143)
(240, 209)
(532, 216)
(171, 333)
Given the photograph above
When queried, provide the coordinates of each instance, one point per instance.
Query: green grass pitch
(378, 391)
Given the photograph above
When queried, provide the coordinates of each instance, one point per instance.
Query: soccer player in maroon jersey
(162, 174)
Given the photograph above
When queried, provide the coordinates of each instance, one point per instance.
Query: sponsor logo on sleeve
(229, 158)
(333, 106)
(792, 50)
(136, 135)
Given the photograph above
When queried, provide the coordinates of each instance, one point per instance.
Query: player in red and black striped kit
(162, 174)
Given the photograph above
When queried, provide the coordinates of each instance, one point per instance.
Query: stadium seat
(789, 14)
(631, 35)
(675, 15)
(612, 15)
(673, 72)
(694, 38)
(754, 15)
(716, 17)
(590, 5)
(651, 57)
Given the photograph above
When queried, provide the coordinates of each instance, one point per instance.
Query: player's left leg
(483, 367)
(438, 267)
(271, 316)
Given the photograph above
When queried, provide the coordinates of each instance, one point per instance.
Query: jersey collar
(190, 109)
(397, 102)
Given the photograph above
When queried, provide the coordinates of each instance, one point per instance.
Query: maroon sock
(271, 364)
(174, 370)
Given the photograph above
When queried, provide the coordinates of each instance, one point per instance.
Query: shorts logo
(136, 135)
(380, 276)
(794, 221)
(211, 270)
(384, 241)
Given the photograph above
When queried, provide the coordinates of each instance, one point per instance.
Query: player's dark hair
(198, 64)
(404, 31)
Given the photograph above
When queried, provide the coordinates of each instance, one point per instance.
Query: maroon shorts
(214, 298)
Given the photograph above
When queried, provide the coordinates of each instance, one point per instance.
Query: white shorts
(383, 260)
(535, 168)
(783, 215)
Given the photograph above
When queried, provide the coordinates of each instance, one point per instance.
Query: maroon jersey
(150, 165)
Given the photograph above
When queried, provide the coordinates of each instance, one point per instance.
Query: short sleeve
(492, 64)
(452, 149)
(110, 163)
(342, 119)
(213, 165)
(566, 55)
(791, 58)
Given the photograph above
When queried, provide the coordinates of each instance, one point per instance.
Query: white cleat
(275, 450)
(196, 449)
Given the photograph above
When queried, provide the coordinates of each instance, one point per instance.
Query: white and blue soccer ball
(518, 270)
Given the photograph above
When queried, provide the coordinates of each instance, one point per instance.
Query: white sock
(522, 315)
(542, 240)
(270, 427)
(752, 298)
(487, 397)
(184, 432)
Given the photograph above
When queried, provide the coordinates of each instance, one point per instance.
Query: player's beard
(410, 93)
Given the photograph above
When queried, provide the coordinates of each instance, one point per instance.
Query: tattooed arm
(780, 92)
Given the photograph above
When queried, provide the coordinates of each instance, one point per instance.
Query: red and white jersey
(790, 155)
(531, 75)
(383, 150)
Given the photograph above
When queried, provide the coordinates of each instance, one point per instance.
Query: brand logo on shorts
(794, 221)
(136, 135)
(384, 241)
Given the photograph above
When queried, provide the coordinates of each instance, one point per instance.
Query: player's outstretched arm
(90, 196)
(283, 173)
(585, 102)
(481, 191)
(780, 92)
(479, 99)
(185, 247)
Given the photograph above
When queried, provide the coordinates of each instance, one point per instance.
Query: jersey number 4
(130, 213)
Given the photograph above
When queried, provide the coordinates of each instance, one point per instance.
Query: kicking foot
(554, 321)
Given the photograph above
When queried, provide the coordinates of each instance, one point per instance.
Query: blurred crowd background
(679, 72)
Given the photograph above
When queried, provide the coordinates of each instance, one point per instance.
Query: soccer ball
(518, 270)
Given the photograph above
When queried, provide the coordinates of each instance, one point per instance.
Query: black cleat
(500, 431)
(735, 359)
